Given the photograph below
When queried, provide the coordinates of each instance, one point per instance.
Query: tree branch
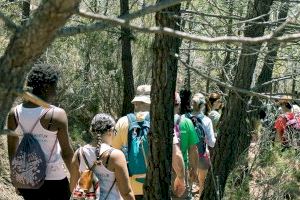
(73, 30)
(228, 86)
(196, 38)
(27, 44)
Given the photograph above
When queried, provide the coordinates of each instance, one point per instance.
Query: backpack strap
(147, 121)
(108, 156)
(87, 162)
(44, 112)
(52, 150)
(132, 122)
(111, 187)
(50, 122)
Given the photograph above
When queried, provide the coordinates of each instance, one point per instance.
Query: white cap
(142, 94)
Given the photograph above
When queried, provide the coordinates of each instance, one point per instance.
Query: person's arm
(178, 166)
(74, 172)
(209, 133)
(194, 161)
(193, 150)
(60, 118)
(177, 161)
(12, 139)
(119, 165)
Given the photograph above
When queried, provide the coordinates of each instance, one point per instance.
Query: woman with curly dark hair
(49, 127)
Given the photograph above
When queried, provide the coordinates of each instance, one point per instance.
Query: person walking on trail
(132, 139)
(112, 173)
(205, 133)
(186, 133)
(287, 125)
(48, 130)
(215, 104)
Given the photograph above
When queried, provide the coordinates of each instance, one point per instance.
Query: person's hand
(179, 186)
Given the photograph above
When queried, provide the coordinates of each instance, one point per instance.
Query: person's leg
(201, 176)
(30, 194)
(34, 194)
(58, 189)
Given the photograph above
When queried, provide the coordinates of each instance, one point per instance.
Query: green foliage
(272, 173)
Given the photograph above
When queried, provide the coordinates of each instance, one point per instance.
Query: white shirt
(27, 118)
(106, 177)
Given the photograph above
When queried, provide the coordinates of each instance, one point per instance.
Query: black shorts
(50, 190)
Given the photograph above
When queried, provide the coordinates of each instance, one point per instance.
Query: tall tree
(128, 86)
(27, 44)
(164, 72)
(270, 58)
(25, 11)
(226, 62)
(232, 142)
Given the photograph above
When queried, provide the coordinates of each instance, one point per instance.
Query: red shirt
(280, 124)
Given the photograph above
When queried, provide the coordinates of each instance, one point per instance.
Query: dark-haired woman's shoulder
(59, 116)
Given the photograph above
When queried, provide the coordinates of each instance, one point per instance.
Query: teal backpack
(138, 145)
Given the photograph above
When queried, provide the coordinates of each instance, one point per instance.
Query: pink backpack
(292, 131)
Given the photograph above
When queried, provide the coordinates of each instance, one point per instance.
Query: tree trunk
(28, 44)
(234, 141)
(164, 72)
(270, 59)
(126, 36)
(268, 66)
(187, 71)
(25, 11)
(226, 62)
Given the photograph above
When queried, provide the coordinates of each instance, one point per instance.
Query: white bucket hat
(142, 94)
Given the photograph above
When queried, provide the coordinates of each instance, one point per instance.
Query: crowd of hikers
(113, 164)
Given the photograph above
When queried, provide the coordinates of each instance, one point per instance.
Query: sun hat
(142, 94)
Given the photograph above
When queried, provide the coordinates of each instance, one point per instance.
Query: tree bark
(25, 11)
(270, 59)
(234, 141)
(226, 62)
(128, 86)
(269, 62)
(164, 72)
(27, 44)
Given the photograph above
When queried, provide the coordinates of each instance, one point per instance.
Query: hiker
(112, 172)
(48, 128)
(215, 104)
(204, 129)
(126, 140)
(287, 125)
(188, 143)
(294, 107)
